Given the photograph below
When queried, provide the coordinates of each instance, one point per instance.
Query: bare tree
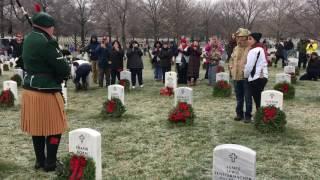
(248, 11)
(154, 10)
(121, 8)
(83, 16)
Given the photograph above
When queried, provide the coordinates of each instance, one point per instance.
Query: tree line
(154, 19)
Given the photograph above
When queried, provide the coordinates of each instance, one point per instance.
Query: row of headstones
(230, 161)
(288, 70)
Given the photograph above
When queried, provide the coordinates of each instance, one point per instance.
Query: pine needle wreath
(17, 79)
(293, 78)
(182, 113)
(11, 64)
(222, 89)
(66, 171)
(5, 67)
(270, 119)
(113, 108)
(287, 89)
(6, 98)
(126, 84)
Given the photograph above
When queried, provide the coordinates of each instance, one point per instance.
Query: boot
(52, 143)
(39, 146)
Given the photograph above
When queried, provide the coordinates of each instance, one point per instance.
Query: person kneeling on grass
(82, 71)
(313, 69)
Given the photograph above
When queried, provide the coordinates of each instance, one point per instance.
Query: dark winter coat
(156, 58)
(314, 66)
(90, 49)
(194, 62)
(302, 46)
(134, 58)
(165, 56)
(103, 57)
(280, 50)
(116, 58)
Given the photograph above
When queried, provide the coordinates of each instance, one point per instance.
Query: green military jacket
(44, 63)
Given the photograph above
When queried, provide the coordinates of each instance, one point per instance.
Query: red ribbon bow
(77, 165)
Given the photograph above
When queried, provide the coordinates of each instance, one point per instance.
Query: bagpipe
(38, 7)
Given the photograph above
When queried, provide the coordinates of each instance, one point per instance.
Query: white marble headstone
(183, 94)
(126, 75)
(171, 80)
(293, 62)
(12, 85)
(272, 98)
(19, 71)
(234, 162)
(1, 67)
(290, 69)
(73, 72)
(283, 77)
(223, 76)
(87, 142)
(116, 91)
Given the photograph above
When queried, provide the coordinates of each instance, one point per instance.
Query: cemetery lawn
(143, 145)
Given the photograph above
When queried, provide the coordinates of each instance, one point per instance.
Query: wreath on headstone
(6, 98)
(11, 64)
(113, 108)
(5, 67)
(293, 78)
(270, 119)
(76, 167)
(287, 89)
(182, 113)
(126, 84)
(222, 89)
(166, 91)
(17, 79)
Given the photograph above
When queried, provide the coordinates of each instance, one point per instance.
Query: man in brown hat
(237, 62)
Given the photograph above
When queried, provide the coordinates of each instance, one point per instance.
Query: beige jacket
(238, 61)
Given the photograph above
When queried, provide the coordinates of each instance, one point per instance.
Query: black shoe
(39, 165)
(238, 118)
(48, 167)
(247, 120)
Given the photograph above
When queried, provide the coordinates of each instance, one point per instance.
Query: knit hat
(256, 36)
(41, 18)
(241, 32)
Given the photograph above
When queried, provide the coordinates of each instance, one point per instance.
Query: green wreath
(222, 89)
(182, 113)
(270, 119)
(64, 171)
(6, 98)
(126, 84)
(17, 79)
(113, 108)
(287, 89)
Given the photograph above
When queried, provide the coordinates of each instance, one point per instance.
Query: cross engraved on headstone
(82, 138)
(233, 157)
(271, 95)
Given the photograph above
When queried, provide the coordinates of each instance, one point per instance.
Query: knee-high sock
(52, 143)
(39, 146)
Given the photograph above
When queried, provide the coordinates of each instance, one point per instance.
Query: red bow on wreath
(5, 97)
(166, 91)
(111, 105)
(77, 165)
(269, 114)
(285, 88)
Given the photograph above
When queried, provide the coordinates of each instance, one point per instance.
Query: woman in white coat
(256, 68)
